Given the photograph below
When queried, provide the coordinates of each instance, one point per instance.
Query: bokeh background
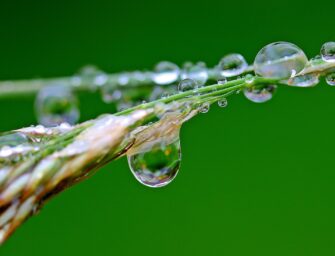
(256, 179)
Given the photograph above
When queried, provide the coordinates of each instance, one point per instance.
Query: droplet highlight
(187, 85)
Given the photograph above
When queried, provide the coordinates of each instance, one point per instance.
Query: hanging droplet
(260, 95)
(328, 51)
(330, 79)
(56, 104)
(307, 80)
(158, 166)
(197, 72)
(232, 65)
(279, 60)
(204, 107)
(223, 103)
(165, 72)
(186, 85)
(222, 80)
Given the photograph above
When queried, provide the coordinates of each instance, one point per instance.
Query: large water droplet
(279, 60)
(157, 166)
(186, 85)
(56, 104)
(165, 72)
(197, 72)
(328, 51)
(307, 80)
(330, 79)
(259, 95)
(232, 65)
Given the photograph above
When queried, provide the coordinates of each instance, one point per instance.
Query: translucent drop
(197, 72)
(204, 107)
(328, 51)
(232, 65)
(92, 77)
(279, 60)
(330, 79)
(110, 93)
(222, 80)
(249, 79)
(260, 95)
(186, 85)
(223, 103)
(165, 73)
(307, 80)
(13, 139)
(158, 166)
(56, 104)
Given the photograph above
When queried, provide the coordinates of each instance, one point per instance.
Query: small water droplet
(56, 104)
(315, 60)
(204, 107)
(186, 85)
(307, 80)
(279, 60)
(158, 166)
(260, 95)
(328, 51)
(222, 80)
(123, 79)
(197, 72)
(249, 79)
(330, 79)
(93, 77)
(13, 139)
(232, 65)
(223, 103)
(165, 72)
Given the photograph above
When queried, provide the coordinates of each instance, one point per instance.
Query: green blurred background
(256, 179)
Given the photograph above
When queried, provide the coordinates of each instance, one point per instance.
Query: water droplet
(330, 79)
(204, 107)
(158, 166)
(92, 77)
(186, 85)
(165, 72)
(110, 93)
(232, 65)
(123, 79)
(260, 95)
(315, 60)
(249, 79)
(279, 60)
(56, 104)
(13, 139)
(223, 103)
(197, 72)
(328, 51)
(307, 80)
(222, 80)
